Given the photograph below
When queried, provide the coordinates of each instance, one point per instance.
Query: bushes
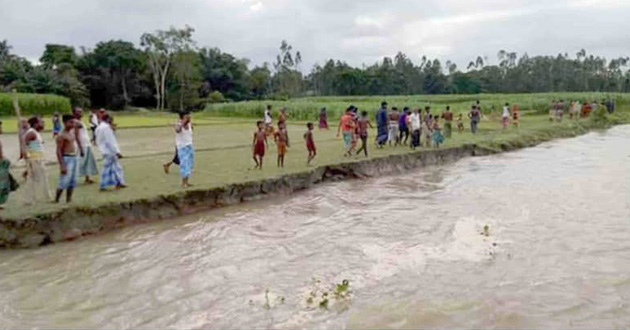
(34, 104)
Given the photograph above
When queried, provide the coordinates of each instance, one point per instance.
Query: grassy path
(224, 156)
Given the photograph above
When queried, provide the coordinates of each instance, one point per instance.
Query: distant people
(436, 133)
(87, 161)
(8, 184)
(427, 125)
(310, 144)
(448, 122)
(56, 121)
(460, 123)
(382, 125)
(355, 133)
(282, 117)
(610, 105)
(93, 123)
(475, 116)
(323, 119)
(560, 107)
(36, 188)
(259, 144)
(68, 158)
(185, 149)
(282, 142)
(362, 131)
(393, 127)
(415, 125)
(427, 115)
(403, 128)
(505, 116)
(346, 127)
(552, 110)
(268, 120)
(112, 173)
(586, 109)
(515, 116)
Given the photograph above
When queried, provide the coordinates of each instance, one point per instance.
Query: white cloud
(357, 31)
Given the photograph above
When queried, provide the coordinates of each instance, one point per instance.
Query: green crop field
(223, 144)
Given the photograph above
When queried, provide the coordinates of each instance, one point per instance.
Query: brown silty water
(555, 252)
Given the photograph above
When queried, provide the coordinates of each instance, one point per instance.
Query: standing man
(403, 127)
(394, 116)
(415, 125)
(36, 186)
(112, 173)
(448, 122)
(68, 159)
(87, 162)
(185, 150)
(382, 125)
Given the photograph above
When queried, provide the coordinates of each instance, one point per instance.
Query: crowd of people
(75, 155)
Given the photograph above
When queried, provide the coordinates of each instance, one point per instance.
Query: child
(515, 115)
(259, 143)
(310, 144)
(282, 141)
(362, 131)
(460, 123)
(436, 135)
(68, 159)
(56, 125)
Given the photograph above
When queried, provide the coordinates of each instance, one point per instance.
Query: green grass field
(223, 154)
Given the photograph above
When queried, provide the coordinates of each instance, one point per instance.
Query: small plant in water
(486, 231)
(325, 298)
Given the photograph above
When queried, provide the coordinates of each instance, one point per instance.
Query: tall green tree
(161, 48)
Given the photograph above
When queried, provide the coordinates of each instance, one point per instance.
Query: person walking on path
(112, 173)
(87, 162)
(93, 124)
(448, 122)
(68, 158)
(36, 188)
(475, 116)
(347, 126)
(362, 131)
(403, 127)
(394, 137)
(382, 125)
(185, 149)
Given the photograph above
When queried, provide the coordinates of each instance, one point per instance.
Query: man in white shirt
(185, 150)
(112, 173)
(94, 123)
(414, 125)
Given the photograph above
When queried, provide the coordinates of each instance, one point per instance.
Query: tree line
(167, 70)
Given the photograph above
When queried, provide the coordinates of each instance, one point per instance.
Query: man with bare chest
(68, 159)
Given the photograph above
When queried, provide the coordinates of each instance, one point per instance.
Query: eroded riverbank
(75, 222)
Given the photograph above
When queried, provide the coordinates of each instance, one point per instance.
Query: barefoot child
(68, 159)
(259, 143)
(505, 116)
(515, 115)
(310, 144)
(346, 124)
(282, 141)
(460, 123)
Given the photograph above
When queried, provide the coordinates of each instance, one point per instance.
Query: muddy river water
(555, 252)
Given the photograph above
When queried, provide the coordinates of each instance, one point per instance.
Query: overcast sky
(357, 31)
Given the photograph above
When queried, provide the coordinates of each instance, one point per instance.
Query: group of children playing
(281, 138)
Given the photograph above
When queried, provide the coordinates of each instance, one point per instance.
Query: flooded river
(555, 252)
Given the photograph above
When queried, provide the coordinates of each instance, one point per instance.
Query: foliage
(216, 97)
(34, 104)
(224, 73)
